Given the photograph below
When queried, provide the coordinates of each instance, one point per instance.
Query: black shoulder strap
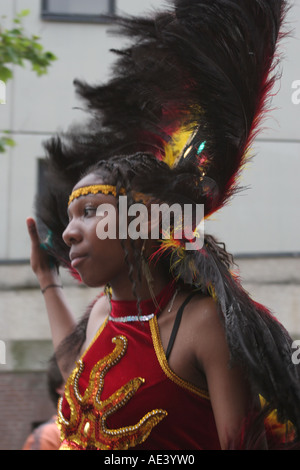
(177, 324)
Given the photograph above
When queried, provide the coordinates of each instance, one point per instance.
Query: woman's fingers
(40, 260)
(32, 230)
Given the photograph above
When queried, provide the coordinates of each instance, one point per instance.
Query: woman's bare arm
(229, 390)
(61, 319)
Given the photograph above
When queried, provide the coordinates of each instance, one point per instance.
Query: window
(93, 11)
(41, 170)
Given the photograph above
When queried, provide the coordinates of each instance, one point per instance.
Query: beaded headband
(95, 189)
(105, 189)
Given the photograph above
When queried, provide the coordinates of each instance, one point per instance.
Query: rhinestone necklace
(131, 318)
(141, 318)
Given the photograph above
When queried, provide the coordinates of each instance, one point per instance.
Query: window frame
(77, 18)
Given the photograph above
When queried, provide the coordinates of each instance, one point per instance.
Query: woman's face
(98, 261)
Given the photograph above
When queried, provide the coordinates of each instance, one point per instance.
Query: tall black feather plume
(203, 66)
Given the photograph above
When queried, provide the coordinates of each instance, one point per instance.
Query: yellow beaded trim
(105, 189)
(160, 353)
(95, 189)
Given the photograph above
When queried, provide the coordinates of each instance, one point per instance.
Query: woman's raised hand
(40, 261)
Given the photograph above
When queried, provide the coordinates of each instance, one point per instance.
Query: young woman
(176, 355)
(196, 376)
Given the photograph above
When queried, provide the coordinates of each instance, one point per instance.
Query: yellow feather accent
(173, 150)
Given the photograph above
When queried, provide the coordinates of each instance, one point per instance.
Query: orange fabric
(44, 437)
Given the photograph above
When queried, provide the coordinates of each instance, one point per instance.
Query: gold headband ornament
(95, 189)
(106, 189)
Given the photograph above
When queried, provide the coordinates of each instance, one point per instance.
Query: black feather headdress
(190, 89)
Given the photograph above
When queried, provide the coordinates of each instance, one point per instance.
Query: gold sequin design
(160, 354)
(105, 189)
(95, 189)
(87, 427)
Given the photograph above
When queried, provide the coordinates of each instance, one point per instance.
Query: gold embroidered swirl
(87, 427)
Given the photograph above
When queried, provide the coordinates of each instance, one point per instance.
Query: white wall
(263, 219)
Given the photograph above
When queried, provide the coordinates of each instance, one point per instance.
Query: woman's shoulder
(100, 311)
(203, 309)
(205, 323)
(98, 314)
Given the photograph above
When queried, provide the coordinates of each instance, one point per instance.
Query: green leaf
(9, 142)
(50, 56)
(16, 48)
(5, 73)
(12, 55)
(23, 13)
(15, 32)
(6, 142)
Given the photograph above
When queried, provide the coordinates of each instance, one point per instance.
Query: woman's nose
(72, 234)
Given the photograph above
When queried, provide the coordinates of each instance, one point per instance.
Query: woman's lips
(76, 260)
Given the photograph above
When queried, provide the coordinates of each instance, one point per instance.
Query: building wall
(25, 403)
(261, 225)
(39, 106)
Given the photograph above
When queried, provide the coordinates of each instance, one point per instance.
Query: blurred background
(261, 226)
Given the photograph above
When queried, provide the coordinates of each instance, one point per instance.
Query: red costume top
(122, 394)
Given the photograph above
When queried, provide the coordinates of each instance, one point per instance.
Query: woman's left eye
(89, 211)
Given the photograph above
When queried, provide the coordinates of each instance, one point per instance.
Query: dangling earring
(147, 273)
(108, 293)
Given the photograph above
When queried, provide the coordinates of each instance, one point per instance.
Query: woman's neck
(123, 288)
